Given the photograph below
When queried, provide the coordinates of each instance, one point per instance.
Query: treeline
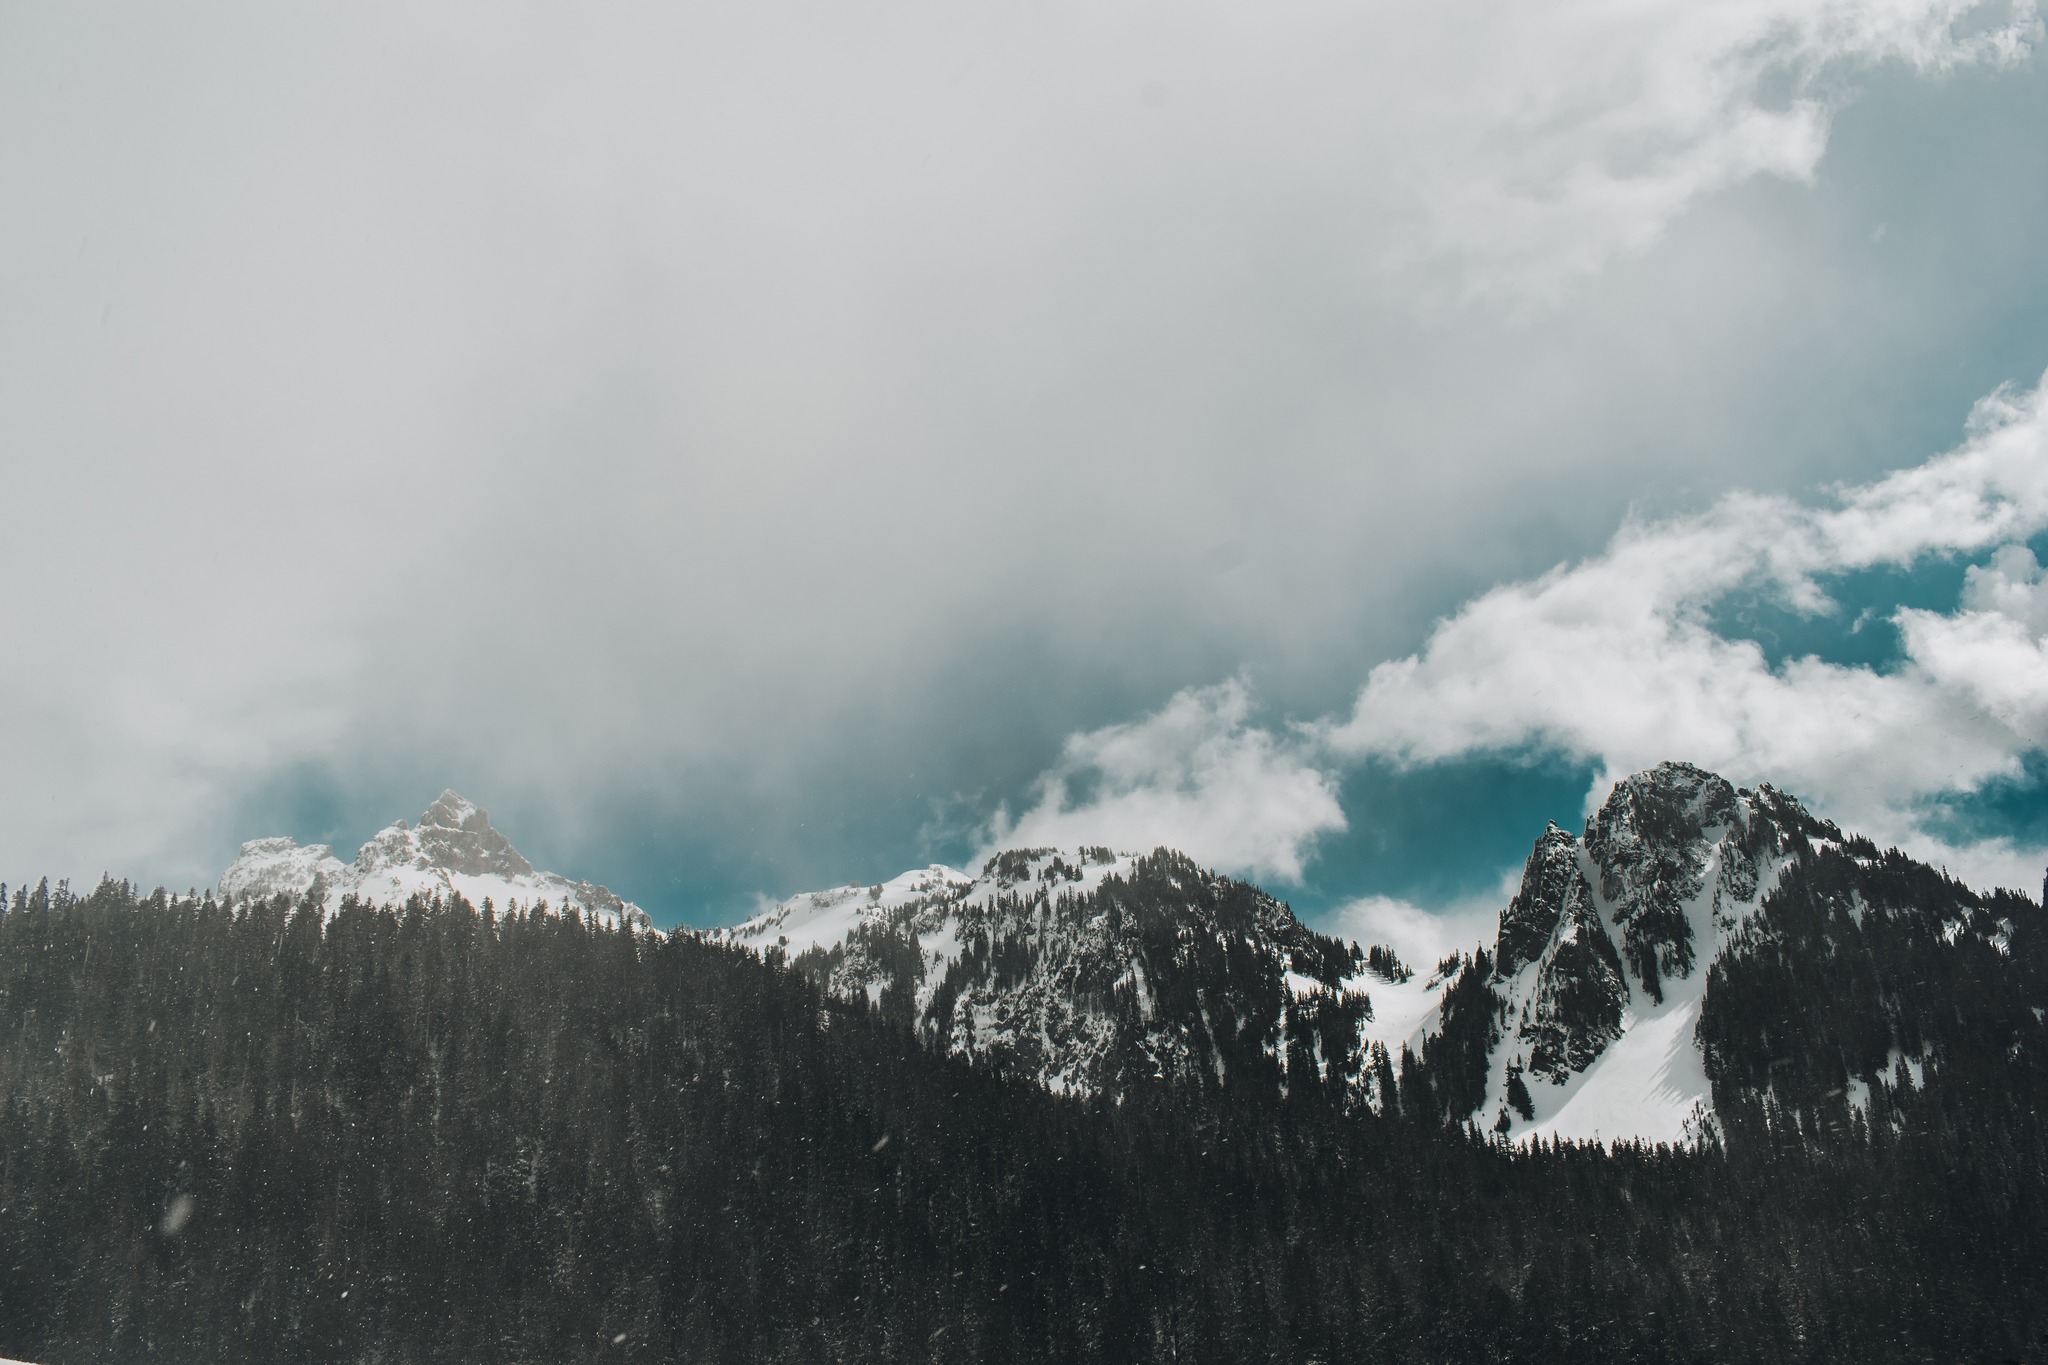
(438, 1133)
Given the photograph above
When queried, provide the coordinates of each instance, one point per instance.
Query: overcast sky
(755, 446)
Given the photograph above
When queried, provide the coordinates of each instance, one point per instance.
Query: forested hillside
(435, 1133)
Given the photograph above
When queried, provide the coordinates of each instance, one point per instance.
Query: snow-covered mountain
(1602, 956)
(1701, 946)
(1661, 962)
(1092, 971)
(452, 850)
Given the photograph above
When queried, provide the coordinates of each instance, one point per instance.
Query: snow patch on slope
(1650, 1084)
(820, 919)
(1403, 1012)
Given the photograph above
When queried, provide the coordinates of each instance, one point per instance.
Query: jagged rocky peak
(1616, 929)
(1640, 868)
(454, 834)
(281, 866)
(452, 850)
(1656, 840)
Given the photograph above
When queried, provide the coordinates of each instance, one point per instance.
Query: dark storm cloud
(713, 421)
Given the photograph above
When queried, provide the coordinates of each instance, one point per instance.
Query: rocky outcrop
(1650, 842)
(1574, 1007)
(282, 867)
(1550, 879)
(1575, 1010)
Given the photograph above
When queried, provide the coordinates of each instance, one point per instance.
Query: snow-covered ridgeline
(452, 850)
(1029, 958)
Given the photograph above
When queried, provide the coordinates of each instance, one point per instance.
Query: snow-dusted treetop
(452, 850)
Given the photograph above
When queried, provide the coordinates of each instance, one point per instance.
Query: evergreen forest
(439, 1132)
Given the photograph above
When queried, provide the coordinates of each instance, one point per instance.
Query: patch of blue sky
(2014, 808)
(1859, 631)
(313, 803)
(1439, 834)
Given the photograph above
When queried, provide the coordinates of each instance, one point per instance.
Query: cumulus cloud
(1422, 937)
(2011, 585)
(1576, 132)
(1197, 776)
(1614, 658)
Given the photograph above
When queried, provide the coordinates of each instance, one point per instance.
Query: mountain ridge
(1587, 1020)
(453, 849)
(1089, 969)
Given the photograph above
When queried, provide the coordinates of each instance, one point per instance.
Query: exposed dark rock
(1579, 995)
(1549, 879)
(1650, 842)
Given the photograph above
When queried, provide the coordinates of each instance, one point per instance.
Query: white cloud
(1613, 659)
(1195, 776)
(1993, 663)
(2011, 585)
(1572, 133)
(1423, 937)
(1983, 863)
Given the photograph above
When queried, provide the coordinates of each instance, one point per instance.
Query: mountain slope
(1093, 972)
(453, 850)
